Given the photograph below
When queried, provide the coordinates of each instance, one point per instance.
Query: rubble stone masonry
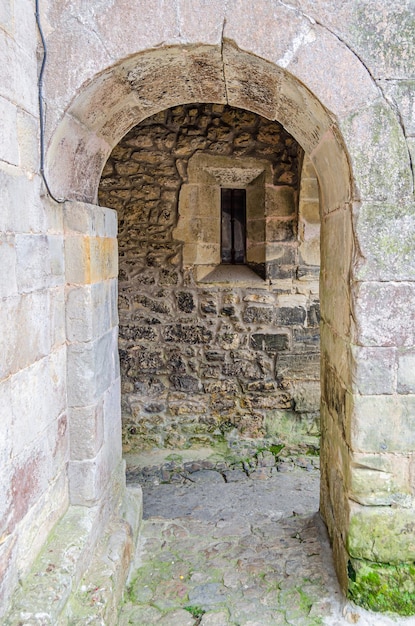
(202, 358)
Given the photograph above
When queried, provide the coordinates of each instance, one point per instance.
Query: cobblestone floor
(238, 546)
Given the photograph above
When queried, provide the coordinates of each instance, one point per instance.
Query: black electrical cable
(41, 113)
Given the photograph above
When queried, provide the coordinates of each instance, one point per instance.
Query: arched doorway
(135, 88)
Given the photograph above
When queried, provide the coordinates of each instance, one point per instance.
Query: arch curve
(151, 81)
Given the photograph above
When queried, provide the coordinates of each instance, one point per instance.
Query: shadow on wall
(207, 356)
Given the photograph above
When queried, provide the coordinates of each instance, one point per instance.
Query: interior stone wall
(205, 358)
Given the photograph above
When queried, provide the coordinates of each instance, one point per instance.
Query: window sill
(233, 274)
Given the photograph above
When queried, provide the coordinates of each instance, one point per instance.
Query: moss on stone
(382, 587)
(382, 534)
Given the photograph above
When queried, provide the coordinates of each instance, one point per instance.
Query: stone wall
(204, 358)
(34, 442)
(341, 80)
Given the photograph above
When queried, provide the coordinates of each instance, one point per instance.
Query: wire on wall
(41, 110)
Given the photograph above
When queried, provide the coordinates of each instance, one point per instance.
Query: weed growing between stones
(196, 611)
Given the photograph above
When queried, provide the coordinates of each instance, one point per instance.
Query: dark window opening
(233, 229)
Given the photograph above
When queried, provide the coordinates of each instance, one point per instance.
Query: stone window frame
(199, 215)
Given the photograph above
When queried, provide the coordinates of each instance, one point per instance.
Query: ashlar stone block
(387, 50)
(89, 219)
(18, 349)
(301, 113)
(6, 15)
(8, 281)
(279, 201)
(103, 99)
(22, 206)
(202, 22)
(38, 398)
(383, 423)
(86, 431)
(22, 545)
(90, 478)
(90, 259)
(406, 371)
(369, 133)
(319, 55)
(157, 77)
(92, 366)
(39, 261)
(386, 236)
(75, 160)
(27, 135)
(60, 84)
(251, 29)
(381, 534)
(123, 24)
(384, 314)
(88, 311)
(403, 93)
(373, 370)
(381, 480)
(9, 149)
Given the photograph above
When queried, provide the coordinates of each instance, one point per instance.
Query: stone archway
(342, 131)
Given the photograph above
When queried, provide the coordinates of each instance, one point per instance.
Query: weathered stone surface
(373, 485)
(99, 81)
(319, 53)
(250, 83)
(86, 431)
(298, 366)
(289, 316)
(306, 397)
(10, 149)
(334, 397)
(373, 370)
(386, 237)
(383, 423)
(258, 315)
(406, 372)
(376, 127)
(382, 535)
(273, 342)
(334, 185)
(92, 366)
(188, 333)
(111, 24)
(174, 163)
(307, 339)
(384, 314)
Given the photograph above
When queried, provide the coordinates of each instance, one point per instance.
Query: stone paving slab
(220, 552)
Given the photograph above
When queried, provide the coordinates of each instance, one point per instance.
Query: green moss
(305, 601)
(382, 587)
(382, 535)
